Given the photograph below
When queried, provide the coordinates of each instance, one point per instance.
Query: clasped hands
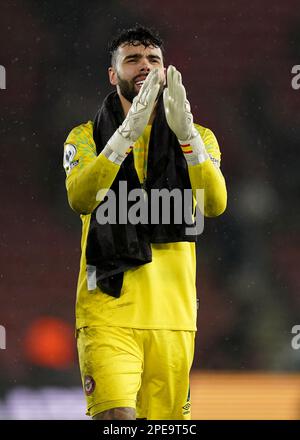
(177, 107)
(177, 111)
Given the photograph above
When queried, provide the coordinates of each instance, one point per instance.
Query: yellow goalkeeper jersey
(157, 295)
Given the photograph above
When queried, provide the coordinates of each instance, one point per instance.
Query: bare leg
(116, 414)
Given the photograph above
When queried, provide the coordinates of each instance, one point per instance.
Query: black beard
(128, 89)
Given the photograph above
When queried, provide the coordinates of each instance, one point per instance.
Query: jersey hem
(82, 324)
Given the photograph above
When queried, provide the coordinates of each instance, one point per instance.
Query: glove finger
(152, 95)
(148, 81)
(150, 84)
(150, 77)
(182, 94)
(170, 80)
(166, 100)
(178, 93)
(144, 86)
(187, 106)
(174, 85)
(179, 77)
(180, 90)
(152, 89)
(153, 81)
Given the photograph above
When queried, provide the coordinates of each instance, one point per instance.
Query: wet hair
(135, 36)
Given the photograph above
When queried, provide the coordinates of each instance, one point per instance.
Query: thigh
(111, 365)
(165, 391)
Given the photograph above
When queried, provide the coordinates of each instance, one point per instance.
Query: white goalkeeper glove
(120, 144)
(180, 119)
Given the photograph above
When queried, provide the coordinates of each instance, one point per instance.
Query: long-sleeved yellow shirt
(156, 295)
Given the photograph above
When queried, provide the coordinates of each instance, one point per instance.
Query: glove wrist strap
(194, 150)
(117, 148)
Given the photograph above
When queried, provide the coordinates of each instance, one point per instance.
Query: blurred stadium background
(236, 60)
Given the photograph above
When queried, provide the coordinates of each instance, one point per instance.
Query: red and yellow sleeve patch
(186, 148)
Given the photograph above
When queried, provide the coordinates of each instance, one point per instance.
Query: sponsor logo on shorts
(89, 385)
(186, 408)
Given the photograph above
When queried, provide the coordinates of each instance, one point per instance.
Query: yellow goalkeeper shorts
(143, 369)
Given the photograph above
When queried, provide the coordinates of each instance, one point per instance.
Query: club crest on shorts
(89, 385)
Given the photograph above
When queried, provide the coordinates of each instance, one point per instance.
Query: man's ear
(113, 79)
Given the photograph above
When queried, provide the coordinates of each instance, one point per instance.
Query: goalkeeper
(136, 303)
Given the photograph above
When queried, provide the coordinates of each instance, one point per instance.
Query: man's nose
(145, 65)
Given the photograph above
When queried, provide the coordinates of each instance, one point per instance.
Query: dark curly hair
(135, 36)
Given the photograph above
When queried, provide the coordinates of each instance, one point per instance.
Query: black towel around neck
(115, 248)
